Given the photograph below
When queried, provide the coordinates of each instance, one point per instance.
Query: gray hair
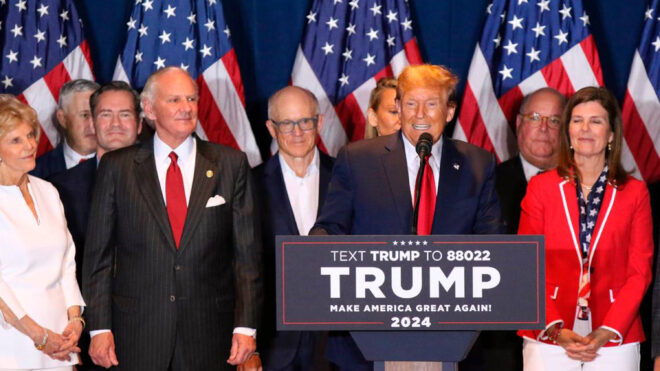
(547, 89)
(74, 86)
(149, 86)
(273, 99)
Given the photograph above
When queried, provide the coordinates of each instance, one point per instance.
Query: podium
(411, 298)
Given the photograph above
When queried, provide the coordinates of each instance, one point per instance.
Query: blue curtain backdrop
(266, 33)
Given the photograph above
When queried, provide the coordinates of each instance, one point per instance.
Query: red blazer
(620, 254)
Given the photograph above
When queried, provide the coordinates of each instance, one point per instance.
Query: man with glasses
(293, 183)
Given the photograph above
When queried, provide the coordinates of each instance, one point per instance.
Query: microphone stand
(418, 192)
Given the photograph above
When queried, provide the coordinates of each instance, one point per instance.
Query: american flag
(641, 108)
(347, 45)
(42, 49)
(194, 36)
(525, 45)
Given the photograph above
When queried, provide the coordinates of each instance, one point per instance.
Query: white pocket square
(216, 200)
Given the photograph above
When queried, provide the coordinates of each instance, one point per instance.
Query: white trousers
(538, 356)
(65, 368)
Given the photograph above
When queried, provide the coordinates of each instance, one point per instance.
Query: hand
(242, 347)
(252, 364)
(597, 339)
(573, 343)
(71, 335)
(54, 345)
(102, 350)
(656, 365)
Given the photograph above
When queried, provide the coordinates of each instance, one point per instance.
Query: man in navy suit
(293, 184)
(75, 127)
(373, 181)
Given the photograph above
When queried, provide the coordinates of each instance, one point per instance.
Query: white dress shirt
(529, 169)
(71, 157)
(412, 159)
(37, 271)
(303, 193)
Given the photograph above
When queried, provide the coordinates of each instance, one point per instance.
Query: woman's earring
(609, 146)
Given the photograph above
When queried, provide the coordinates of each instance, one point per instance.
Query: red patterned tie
(426, 201)
(176, 198)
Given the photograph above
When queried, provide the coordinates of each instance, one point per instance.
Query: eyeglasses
(536, 119)
(305, 124)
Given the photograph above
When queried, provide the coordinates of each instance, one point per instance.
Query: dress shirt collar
(71, 157)
(311, 168)
(529, 169)
(183, 151)
(413, 158)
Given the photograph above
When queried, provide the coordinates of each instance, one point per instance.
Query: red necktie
(176, 199)
(82, 160)
(426, 201)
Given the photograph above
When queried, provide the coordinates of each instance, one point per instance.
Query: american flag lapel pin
(456, 166)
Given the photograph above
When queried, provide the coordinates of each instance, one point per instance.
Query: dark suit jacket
(50, 163)
(369, 193)
(511, 184)
(278, 348)
(138, 284)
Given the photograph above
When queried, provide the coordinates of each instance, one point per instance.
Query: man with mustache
(373, 182)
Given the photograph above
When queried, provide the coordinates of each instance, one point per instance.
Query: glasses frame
(278, 124)
(536, 119)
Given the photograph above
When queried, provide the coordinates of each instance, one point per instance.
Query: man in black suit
(172, 258)
(293, 184)
(78, 141)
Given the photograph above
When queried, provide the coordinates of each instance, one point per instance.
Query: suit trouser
(538, 356)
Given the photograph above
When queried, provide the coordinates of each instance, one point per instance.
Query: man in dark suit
(172, 258)
(293, 184)
(78, 141)
(373, 181)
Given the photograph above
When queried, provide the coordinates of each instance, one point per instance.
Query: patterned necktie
(176, 199)
(426, 200)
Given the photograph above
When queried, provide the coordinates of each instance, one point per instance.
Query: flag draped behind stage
(525, 45)
(347, 45)
(641, 108)
(192, 35)
(42, 49)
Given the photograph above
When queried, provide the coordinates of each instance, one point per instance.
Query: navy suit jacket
(511, 186)
(278, 348)
(75, 187)
(50, 163)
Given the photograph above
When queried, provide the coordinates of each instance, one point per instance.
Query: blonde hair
(374, 101)
(14, 112)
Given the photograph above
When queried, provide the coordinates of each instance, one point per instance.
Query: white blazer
(37, 271)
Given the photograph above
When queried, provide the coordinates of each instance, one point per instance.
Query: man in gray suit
(172, 258)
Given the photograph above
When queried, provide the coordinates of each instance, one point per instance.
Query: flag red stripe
(84, 46)
(211, 118)
(639, 141)
(231, 64)
(44, 144)
(510, 104)
(589, 48)
(472, 122)
(412, 52)
(385, 72)
(321, 146)
(556, 77)
(54, 79)
(351, 117)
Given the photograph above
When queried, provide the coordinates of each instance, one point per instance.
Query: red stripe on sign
(211, 118)
(472, 122)
(556, 77)
(84, 46)
(44, 144)
(588, 46)
(351, 117)
(412, 52)
(639, 141)
(54, 79)
(510, 105)
(385, 72)
(231, 64)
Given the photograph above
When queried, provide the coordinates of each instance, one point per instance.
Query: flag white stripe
(38, 96)
(77, 66)
(532, 83)
(577, 68)
(228, 101)
(362, 94)
(120, 73)
(399, 62)
(332, 133)
(459, 134)
(646, 100)
(629, 162)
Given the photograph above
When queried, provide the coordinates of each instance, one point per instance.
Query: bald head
(292, 94)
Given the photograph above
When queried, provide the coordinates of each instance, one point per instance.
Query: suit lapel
(279, 196)
(147, 180)
(571, 212)
(394, 164)
(451, 167)
(603, 215)
(325, 172)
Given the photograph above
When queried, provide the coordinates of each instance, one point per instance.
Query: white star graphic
(18, 31)
(327, 48)
(138, 57)
(582, 211)
(511, 48)
(332, 23)
(649, 13)
(226, 31)
(336, 1)
(7, 82)
(343, 79)
(565, 12)
(12, 56)
(43, 10)
(502, 17)
(131, 23)
(395, 243)
(192, 18)
(206, 51)
(602, 178)
(148, 5)
(143, 30)
(184, 67)
(311, 17)
(539, 30)
(21, 5)
(165, 37)
(417, 243)
(348, 53)
(407, 24)
(211, 2)
(590, 225)
(588, 238)
(36, 62)
(599, 189)
(64, 15)
(584, 227)
(390, 41)
(533, 55)
(369, 59)
(354, 4)
(403, 242)
(188, 44)
(489, 8)
(544, 5)
(592, 212)
(561, 37)
(656, 43)
(410, 243)
(506, 72)
(424, 243)
(376, 9)
(391, 16)
(596, 200)
(40, 35)
(372, 34)
(170, 11)
(497, 41)
(62, 41)
(160, 63)
(210, 25)
(520, 2)
(585, 19)
(516, 23)
(350, 29)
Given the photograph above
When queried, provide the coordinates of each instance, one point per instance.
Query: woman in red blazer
(599, 246)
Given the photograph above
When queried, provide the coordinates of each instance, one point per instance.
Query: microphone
(424, 144)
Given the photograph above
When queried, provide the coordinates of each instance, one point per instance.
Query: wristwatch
(43, 342)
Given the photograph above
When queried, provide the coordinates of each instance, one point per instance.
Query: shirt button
(177, 267)
(172, 298)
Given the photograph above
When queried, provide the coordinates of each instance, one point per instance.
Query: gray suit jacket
(138, 284)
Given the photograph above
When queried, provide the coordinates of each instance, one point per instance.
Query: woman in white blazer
(40, 302)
